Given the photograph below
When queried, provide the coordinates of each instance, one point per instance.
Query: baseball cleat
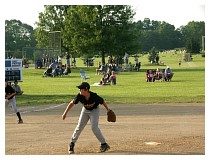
(71, 152)
(71, 148)
(20, 121)
(104, 147)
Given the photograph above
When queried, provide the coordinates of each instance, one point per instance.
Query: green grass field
(187, 85)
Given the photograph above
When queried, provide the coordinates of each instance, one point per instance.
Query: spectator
(100, 69)
(157, 59)
(150, 76)
(67, 59)
(38, 64)
(158, 73)
(48, 72)
(105, 79)
(57, 71)
(113, 78)
(168, 73)
(126, 58)
(67, 70)
(74, 62)
(168, 70)
(87, 62)
(23, 61)
(110, 59)
(137, 63)
(59, 61)
(53, 65)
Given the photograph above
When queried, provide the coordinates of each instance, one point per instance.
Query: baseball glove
(111, 116)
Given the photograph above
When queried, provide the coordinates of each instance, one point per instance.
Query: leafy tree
(18, 35)
(50, 20)
(162, 35)
(169, 37)
(192, 34)
(88, 29)
(99, 28)
(80, 32)
(152, 55)
(148, 39)
(108, 29)
(192, 45)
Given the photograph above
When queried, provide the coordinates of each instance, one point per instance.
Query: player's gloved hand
(111, 116)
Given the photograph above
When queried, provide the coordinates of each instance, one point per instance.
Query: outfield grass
(187, 85)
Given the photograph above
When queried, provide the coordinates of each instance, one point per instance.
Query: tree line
(96, 29)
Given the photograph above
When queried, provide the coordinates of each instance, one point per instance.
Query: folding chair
(83, 75)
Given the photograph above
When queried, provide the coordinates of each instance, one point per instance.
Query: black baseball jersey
(9, 90)
(93, 101)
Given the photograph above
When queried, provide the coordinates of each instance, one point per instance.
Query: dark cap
(84, 85)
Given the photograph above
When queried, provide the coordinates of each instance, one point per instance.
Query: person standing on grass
(137, 62)
(90, 111)
(67, 59)
(10, 100)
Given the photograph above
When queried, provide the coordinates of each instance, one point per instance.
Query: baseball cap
(84, 85)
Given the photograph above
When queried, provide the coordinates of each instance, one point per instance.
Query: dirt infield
(155, 129)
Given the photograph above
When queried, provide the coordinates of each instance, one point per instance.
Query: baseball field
(140, 129)
(155, 118)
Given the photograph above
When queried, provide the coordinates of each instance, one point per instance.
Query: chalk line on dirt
(37, 110)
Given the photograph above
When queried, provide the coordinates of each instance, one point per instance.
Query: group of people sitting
(55, 70)
(163, 75)
(108, 77)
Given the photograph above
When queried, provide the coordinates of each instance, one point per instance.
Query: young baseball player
(90, 111)
(17, 88)
(10, 99)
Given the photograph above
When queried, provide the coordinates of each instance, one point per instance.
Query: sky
(177, 13)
